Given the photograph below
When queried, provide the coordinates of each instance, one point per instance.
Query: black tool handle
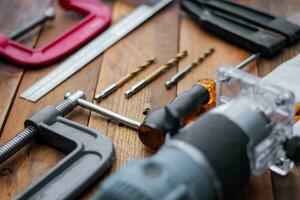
(278, 24)
(188, 101)
(165, 120)
(235, 30)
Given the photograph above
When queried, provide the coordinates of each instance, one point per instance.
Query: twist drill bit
(179, 75)
(124, 80)
(134, 89)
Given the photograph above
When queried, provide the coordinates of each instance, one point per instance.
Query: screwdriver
(169, 119)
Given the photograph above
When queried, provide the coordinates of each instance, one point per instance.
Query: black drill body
(207, 159)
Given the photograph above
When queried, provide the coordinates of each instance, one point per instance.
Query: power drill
(250, 131)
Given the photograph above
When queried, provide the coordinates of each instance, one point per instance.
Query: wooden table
(165, 34)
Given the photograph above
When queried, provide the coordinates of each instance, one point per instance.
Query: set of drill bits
(141, 84)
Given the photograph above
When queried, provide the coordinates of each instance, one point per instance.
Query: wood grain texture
(13, 14)
(36, 159)
(259, 188)
(284, 188)
(146, 42)
(163, 36)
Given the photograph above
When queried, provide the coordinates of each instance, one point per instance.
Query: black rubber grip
(188, 101)
(235, 30)
(278, 24)
(165, 120)
(224, 144)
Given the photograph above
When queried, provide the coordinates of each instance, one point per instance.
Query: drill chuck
(207, 159)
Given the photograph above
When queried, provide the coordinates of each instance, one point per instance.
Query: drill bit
(134, 89)
(179, 75)
(124, 80)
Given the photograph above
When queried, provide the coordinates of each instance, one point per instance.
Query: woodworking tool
(137, 87)
(97, 19)
(112, 88)
(245, 27)
(93, 49)
(48, 15)
(179, 75)
(184, 108)
(72, 100)
(90, 153)
(169, 119)
(215, 155)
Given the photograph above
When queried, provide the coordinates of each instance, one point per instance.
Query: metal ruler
(93, 49)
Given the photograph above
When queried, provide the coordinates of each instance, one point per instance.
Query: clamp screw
(23, 138)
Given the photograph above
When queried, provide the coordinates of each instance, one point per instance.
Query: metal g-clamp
(98, 18)
(90, 153)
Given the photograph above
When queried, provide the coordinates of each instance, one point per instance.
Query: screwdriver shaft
(155, 74)
(179, 75)
(124, 80)
(109, 114)
(247, 61)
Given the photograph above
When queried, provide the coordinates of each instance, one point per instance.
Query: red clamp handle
(98, 19)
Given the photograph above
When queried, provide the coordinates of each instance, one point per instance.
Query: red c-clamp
(98, 19)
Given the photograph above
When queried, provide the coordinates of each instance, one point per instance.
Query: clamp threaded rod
(17, 143)
(27, 135)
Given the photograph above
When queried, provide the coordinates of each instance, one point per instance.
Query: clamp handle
(98, 19)
(90, 155)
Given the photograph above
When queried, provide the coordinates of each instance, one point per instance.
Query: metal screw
(48, 15)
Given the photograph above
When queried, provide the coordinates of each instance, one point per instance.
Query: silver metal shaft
(48, 14)
(109, 114)
(247, 61)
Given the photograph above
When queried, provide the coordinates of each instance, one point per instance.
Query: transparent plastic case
(275, 104)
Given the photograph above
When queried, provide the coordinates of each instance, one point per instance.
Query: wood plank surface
(284, 188)
(14, 14)
(36, 159)
(163, 36)
(259, 188)
(145, 43)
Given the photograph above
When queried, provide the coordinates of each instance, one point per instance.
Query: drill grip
(206, 160)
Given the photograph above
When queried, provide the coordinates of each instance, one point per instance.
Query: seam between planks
(11, 103)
